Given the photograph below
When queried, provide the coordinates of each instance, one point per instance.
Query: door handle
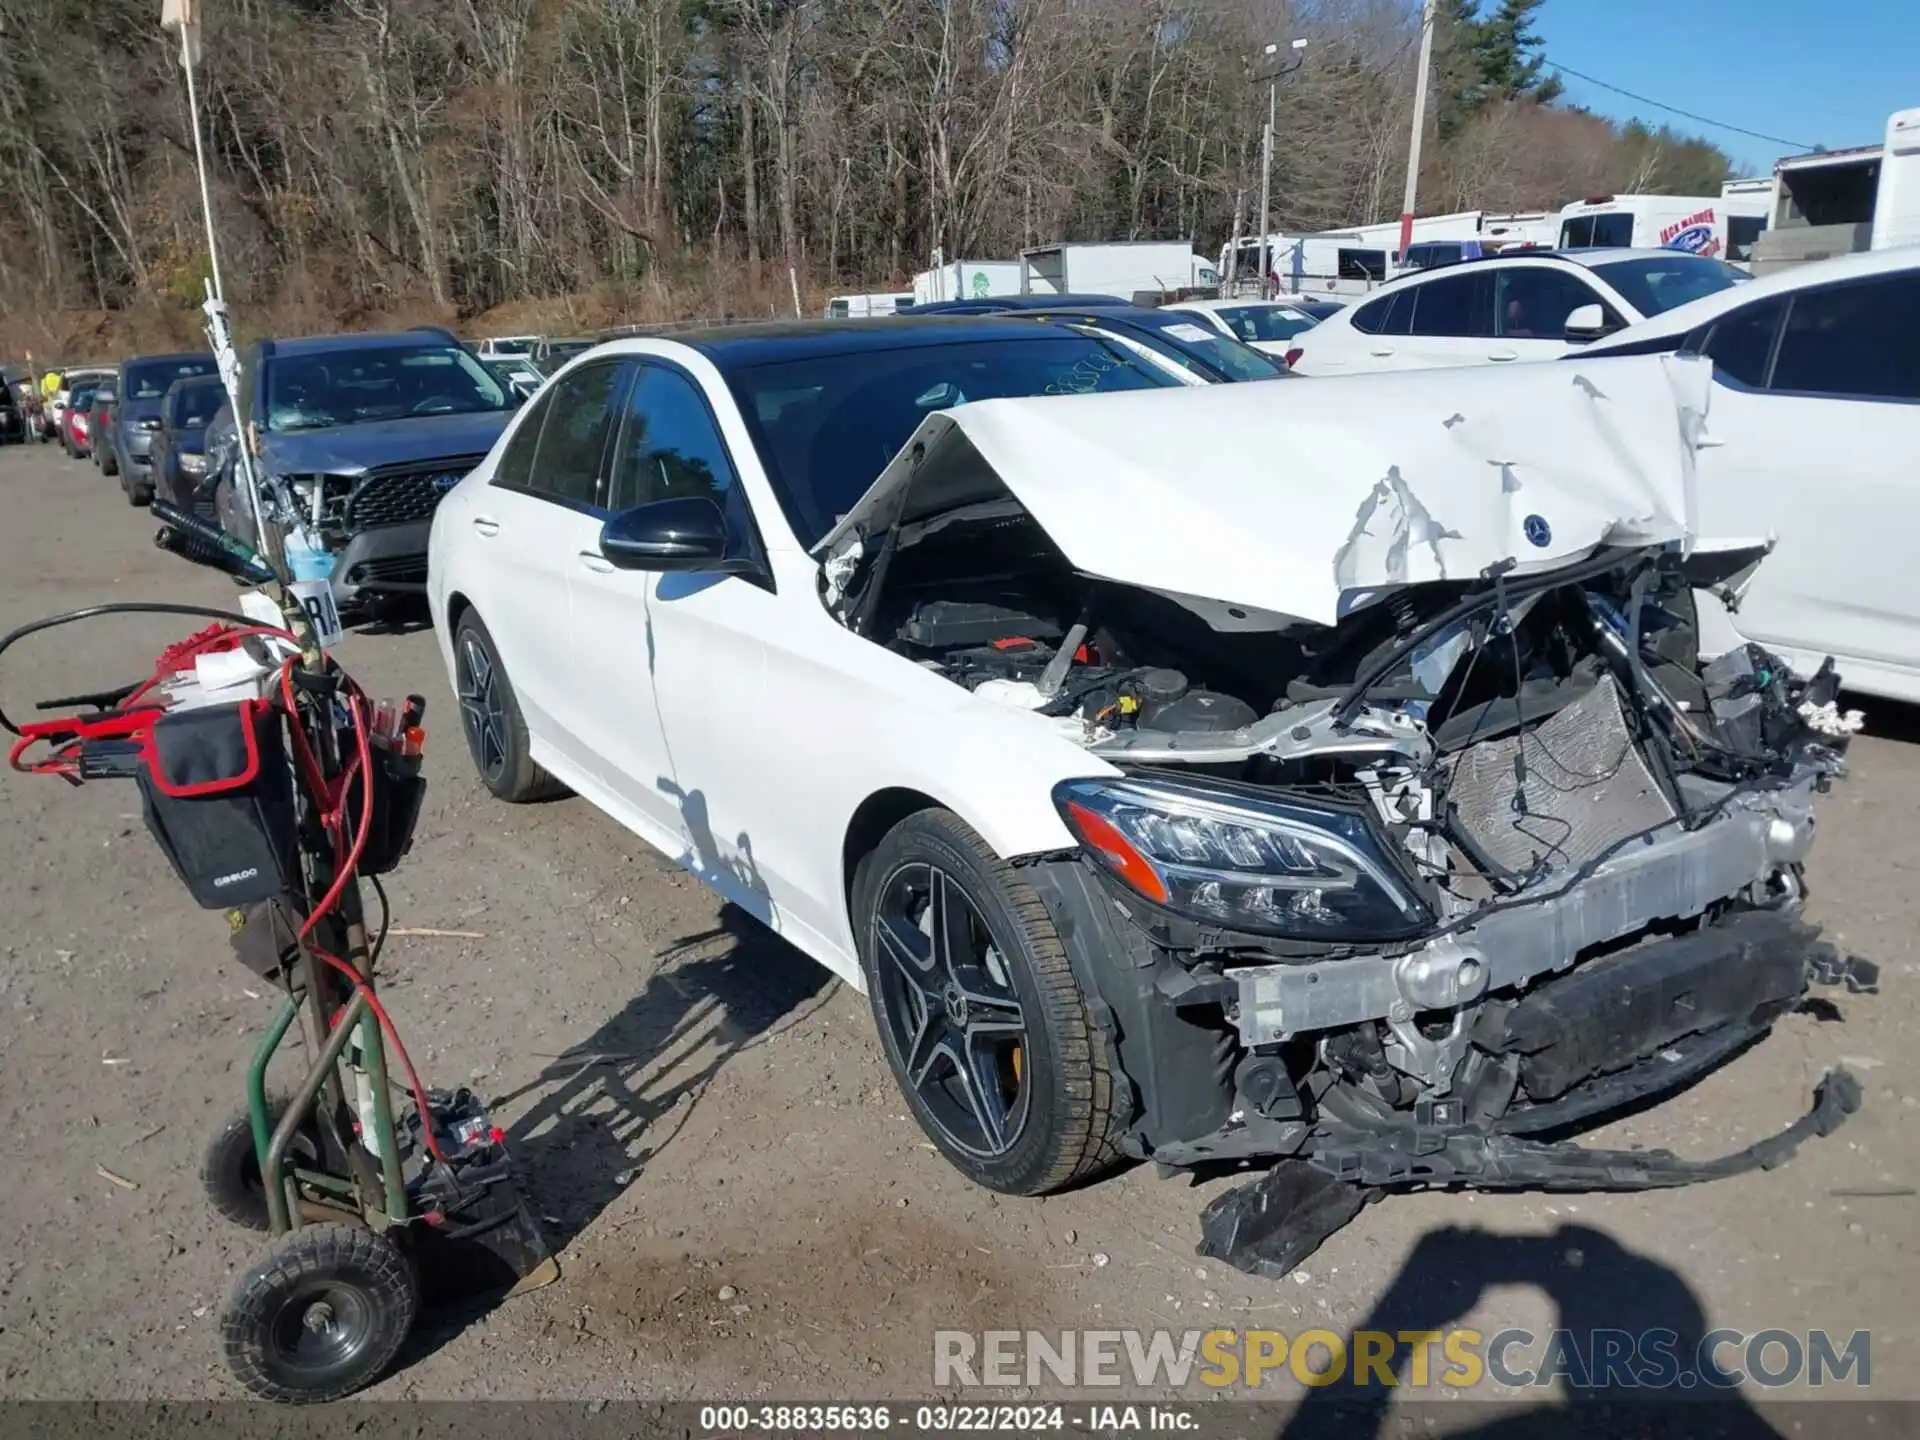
(1382, 351)
(596, 562)
(1503, 355)
(486, 524)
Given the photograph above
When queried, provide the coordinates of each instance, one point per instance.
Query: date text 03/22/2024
(943, 1419)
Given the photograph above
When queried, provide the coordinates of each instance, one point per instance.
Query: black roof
(803, 339)
(360, 340)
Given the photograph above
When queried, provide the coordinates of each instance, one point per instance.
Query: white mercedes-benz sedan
(1223, 773)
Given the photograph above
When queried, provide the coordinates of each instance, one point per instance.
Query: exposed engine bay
(1488, 858)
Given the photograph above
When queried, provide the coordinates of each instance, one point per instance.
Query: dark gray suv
(360, 436)
(127, 448)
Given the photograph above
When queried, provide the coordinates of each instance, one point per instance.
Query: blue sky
(1824, 74)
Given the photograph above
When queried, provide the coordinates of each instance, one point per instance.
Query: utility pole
(1273, 77)
(1419, 124)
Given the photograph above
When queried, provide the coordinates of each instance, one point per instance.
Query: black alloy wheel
(490, 717)
(952, 1014)
(482, 713)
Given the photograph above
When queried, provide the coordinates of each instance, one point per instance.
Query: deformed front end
(1426, 830)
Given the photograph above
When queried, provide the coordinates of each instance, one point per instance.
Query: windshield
(1265, 322)
(149, 379)
(1200, 346)
(827, 425)
(1611, 231)
(80, 398)
(1658, 283)
(194, 405)
(388, 382)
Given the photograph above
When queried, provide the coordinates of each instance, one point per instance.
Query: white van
(1712, 225)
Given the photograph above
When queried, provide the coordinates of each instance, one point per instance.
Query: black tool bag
(218, 795)
(398, 792)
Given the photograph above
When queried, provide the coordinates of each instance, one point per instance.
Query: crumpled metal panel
(1584, 788)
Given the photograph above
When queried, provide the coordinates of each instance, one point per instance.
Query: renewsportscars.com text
(1456, 1359)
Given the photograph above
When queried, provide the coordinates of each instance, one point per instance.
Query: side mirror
(688, 533)
(1586, 324)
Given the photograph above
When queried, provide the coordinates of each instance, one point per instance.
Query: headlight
(193, 464)
(1246, 862)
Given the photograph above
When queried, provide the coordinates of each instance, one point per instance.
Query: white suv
(1531, 307)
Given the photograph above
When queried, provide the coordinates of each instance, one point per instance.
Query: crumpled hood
(349, 449)
(1308, 501)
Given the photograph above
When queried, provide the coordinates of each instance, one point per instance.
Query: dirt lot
(738, 1128)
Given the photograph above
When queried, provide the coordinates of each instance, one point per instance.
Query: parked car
(1812, 438)
(13, 416)
(143, 384)
(1269, 326)
(501, 347)
(179, 460)
(1198, 351)
(1134, 783)
(516, 372)
(100, 426)
(76, 425)
(1532, 306)
(63, 394)
(550, 354)
(367, 432)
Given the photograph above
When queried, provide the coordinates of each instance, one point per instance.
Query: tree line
(464, 153)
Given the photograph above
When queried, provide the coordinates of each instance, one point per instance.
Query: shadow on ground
(597, 1114)
(1620, 1311)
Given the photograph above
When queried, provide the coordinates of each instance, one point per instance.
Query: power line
(1676, 110)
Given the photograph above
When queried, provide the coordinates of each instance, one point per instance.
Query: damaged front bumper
(1676, 874)
(1269, 1227)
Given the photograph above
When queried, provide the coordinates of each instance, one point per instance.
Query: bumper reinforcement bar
(1269, 1226)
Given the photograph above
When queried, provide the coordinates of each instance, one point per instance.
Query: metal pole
(1419, 124)
(219, 329)
(200, 166)
(1266, 195)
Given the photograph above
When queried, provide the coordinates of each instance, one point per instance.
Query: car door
(542, 508)
(1814, 423)
(708, 644)
(1530, 310)
(614, 677)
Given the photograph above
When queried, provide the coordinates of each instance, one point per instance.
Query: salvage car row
(1185, 770)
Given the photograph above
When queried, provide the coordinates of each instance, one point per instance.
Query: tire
(320, 1316)
(108, 460)
(1052, 1087)
(490, 718)
(230, 1170)
(139, 492)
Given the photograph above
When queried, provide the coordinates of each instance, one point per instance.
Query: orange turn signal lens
(1105, 839)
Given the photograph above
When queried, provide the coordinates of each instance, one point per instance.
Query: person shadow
(1608, 1300)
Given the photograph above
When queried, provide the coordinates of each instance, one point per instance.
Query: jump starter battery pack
(218, 796)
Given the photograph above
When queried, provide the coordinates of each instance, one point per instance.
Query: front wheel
(984, 1025)
(320, 1316)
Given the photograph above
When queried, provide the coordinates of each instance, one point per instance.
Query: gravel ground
(741, 1206)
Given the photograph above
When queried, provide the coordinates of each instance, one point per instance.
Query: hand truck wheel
(230, 1168)
(321, 1314)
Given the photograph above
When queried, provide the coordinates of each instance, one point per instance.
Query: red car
(76, 424)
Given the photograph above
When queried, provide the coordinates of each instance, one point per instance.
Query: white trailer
(1701, 224)
(1125, 268)
(967, 280)
(1838, 202)
(1343, 264)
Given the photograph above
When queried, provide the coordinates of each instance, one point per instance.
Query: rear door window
(1456, 305)
(1859, 340)
(1362, 264)
(570, 464)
